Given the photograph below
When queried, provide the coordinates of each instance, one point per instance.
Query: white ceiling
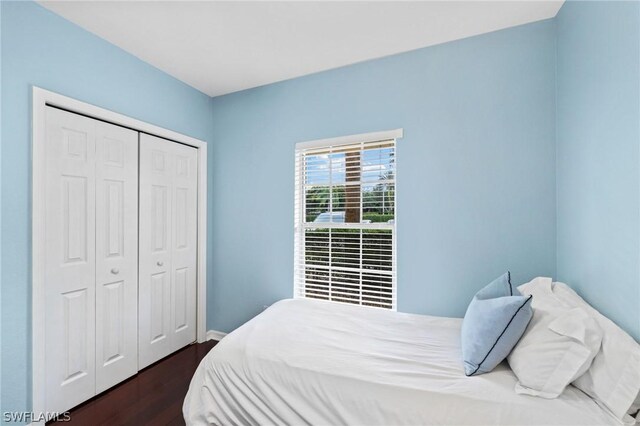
(222, 47)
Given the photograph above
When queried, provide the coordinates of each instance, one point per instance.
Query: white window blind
(345, 227)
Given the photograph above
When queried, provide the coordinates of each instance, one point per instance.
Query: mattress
(315, 362)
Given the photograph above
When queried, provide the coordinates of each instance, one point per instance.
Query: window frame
(300, 213)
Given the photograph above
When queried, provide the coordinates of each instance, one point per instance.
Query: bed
(314, 362)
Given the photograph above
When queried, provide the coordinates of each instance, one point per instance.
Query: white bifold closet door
(91, 291)
(168, 231)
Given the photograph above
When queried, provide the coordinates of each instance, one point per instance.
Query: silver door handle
(160, 263)
(115, 271)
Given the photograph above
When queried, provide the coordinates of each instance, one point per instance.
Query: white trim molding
(41, 99)
(215, 335)
(351, 139)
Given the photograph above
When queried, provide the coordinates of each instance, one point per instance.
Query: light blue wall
(0, 208)
(40, 48)
(598, 137)
(476, 169)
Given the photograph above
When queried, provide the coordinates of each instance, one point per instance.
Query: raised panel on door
(70, 260)
(116, 254)
(156, 216)
(184, 250)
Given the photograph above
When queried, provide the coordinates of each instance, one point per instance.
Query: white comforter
(313, 362)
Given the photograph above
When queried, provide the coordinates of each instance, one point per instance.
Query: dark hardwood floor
(152, 397)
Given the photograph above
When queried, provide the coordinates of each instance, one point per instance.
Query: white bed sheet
(314, 362)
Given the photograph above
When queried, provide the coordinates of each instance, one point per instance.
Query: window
(345, 220)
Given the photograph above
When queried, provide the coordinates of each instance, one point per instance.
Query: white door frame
(42, 98)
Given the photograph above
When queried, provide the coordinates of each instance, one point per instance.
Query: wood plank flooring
(152, 397)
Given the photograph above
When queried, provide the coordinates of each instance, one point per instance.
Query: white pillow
(613, 379)
(558, 345)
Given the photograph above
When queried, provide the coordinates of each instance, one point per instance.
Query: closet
(120, 254)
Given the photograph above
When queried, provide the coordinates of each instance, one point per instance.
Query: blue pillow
(495, 320)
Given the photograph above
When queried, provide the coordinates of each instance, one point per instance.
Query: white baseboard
(215, 335)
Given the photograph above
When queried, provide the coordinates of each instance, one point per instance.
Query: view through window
(345, 222)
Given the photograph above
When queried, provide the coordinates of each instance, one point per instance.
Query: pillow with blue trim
(495, 320)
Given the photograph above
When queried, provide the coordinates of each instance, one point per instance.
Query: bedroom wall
(598, 137)
(43, 49)
(476, 169)
(1, 206)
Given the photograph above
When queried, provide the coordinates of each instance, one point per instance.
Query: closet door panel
(70, 259)
(156, 216)
(168, 249)
(184, 250)
(116, 254)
